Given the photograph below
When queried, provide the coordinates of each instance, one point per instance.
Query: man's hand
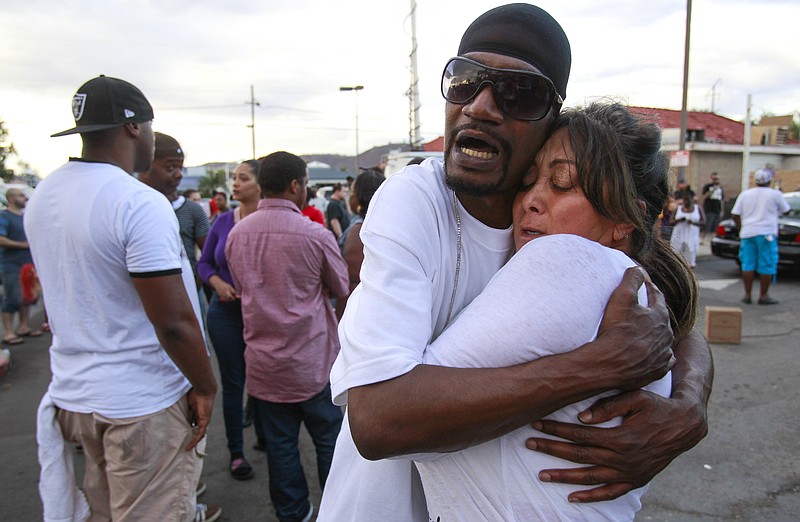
(634, 341)
(654, 431)
(201, 407)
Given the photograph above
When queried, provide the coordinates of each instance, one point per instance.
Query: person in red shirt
(310, 211)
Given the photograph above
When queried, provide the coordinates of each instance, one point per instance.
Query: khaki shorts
(138, 468)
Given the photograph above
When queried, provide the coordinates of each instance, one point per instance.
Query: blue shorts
(759, 254)
(12, 288)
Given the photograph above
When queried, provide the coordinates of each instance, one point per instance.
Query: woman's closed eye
(563, 175)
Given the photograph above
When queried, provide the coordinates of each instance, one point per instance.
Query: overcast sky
(196, 59)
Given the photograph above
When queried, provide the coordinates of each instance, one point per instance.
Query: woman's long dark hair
(624, 174)
(365, 186)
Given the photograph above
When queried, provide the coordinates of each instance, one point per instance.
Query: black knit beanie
(526, 32)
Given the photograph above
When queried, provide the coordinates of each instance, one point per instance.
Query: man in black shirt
(713, 196)
(337, 213)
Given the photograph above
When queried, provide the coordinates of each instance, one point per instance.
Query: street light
(355, 88)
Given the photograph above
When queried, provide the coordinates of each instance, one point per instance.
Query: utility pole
(684, 113)
(252, 103)
(714, 95)
(414, 124)
(746, 152)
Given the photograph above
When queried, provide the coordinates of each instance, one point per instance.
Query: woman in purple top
(224, 317)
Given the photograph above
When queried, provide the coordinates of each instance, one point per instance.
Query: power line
(212, 107)
(198, 108)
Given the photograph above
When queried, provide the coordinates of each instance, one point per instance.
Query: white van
(396, 161)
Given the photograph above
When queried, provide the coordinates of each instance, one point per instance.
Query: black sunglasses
(523, 95)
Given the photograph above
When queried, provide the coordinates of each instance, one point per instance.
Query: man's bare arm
(169, 310)
(336, 227)
(654, 430)
(433, 408)
(693, 376)
(11, 243)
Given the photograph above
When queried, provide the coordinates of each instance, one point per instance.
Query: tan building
(774, 130)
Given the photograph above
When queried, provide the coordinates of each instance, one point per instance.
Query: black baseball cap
(104, 103)
(167, 146)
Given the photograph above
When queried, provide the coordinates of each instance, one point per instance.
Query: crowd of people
(439, 334)
(252, 312)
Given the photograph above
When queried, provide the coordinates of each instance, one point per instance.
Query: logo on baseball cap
(104, 103)
(167, 146)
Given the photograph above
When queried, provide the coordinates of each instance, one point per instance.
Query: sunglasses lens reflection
(524, 96)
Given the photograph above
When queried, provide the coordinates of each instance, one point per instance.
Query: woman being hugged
(586, 213)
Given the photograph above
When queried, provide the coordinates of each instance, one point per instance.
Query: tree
(208, 185)
(5, 151)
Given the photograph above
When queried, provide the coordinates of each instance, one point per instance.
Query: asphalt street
(746, 469)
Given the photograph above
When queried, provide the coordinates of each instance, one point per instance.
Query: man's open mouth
(477, 148)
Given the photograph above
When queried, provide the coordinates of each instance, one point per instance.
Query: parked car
(726, 241)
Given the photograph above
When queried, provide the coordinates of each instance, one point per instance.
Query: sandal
(241, 469)
(46, 327)
(30, 333)
(13, 340)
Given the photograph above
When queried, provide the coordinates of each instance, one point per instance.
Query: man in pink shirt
(286, 267)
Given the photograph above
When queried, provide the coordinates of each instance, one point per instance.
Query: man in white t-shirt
(131, 382)
(756, 213)
(434, 237)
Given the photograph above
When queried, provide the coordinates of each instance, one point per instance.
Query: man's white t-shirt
(759, 209)
(547, 300)
(410, 241)
(92, 227)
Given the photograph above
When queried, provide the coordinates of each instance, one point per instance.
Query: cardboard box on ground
(724, 324)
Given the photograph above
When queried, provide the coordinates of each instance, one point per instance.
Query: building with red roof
(704, 127)
(715, 143)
